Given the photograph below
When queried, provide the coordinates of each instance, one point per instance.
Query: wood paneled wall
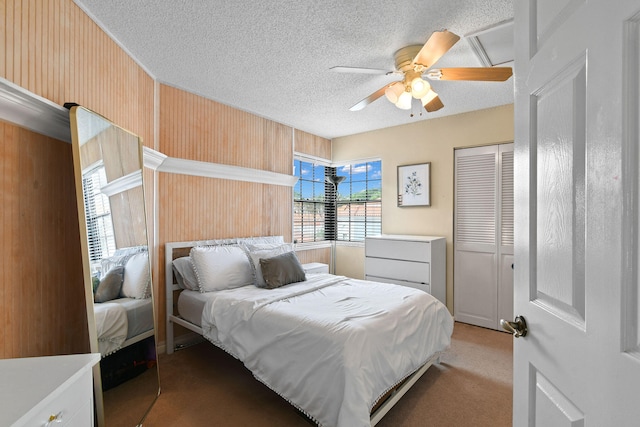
(195, 128)
(42, 307)
(118, 149)
(54, 50)
(313, 145)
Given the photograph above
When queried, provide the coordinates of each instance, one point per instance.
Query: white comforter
(331, 346)
(111, 326)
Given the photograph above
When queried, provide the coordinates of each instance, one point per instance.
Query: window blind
(100, 234)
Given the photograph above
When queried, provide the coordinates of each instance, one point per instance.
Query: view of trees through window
(350, 215)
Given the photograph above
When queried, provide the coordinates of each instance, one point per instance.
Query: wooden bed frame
(175, 250)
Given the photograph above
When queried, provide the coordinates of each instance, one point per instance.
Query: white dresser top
(406, 237)
(28, 383)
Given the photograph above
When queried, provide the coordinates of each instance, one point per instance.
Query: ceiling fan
(413, 63)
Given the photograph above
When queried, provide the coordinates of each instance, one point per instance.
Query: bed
(342, 351)
(123, 307)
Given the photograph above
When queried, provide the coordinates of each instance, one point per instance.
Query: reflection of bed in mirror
(342, 351)
(123, 308)
(116, 263)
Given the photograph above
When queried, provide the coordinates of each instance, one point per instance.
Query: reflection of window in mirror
(100, 233)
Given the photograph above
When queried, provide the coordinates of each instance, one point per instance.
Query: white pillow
(263, 251)
(136, 277)
(221, 267)
(185, 275)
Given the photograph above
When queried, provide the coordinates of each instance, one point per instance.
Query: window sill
(312, 245)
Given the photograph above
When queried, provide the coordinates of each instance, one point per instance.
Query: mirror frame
(86, 262)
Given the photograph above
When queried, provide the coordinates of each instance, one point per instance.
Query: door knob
(517, 328)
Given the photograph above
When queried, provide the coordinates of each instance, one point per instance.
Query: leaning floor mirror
(111, 211)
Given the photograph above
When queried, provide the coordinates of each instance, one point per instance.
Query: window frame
(350, 201)
(330, 231)
(102, 242)
(314, 162)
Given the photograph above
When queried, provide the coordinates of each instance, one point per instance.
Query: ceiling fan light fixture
(404, 101)
(394, 91)
(419, 88)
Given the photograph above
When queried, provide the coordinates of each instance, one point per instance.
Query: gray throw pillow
(281, 270)
(109, 287)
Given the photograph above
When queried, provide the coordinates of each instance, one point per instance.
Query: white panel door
(576, 212)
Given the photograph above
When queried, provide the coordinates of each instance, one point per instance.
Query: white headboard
(174, 250)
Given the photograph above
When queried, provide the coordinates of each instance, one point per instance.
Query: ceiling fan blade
(437, 45)
(369, 99)
(488, 74)
(434, 105)
(359, 70)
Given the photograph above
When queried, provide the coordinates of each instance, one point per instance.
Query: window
(309, 202)
(98, 215)
(359, 201)
(350, 215)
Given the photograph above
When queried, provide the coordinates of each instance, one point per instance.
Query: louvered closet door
(505, 234)
(483, 236)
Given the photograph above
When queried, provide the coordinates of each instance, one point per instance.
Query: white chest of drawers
(36, 391)
(415, 261)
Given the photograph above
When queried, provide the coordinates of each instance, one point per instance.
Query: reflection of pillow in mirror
(282, 270)
(136, 277)
(265, 250)
(109, 286)
(120, 257)
(114, 261)
(221, 267)
(185, 275)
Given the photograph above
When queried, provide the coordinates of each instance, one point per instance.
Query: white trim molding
(312, 159)
(161, 163)
(26, 109)
(122, 184)
(151, 158)
(33, 112)
(217, 170)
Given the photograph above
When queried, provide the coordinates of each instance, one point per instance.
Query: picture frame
(414, 185)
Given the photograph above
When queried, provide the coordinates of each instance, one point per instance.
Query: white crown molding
(30, 111)
(152, 159)
(217, 170)
(122, 184)
(159, 162)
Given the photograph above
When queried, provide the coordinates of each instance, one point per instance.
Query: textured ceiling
(272, 58)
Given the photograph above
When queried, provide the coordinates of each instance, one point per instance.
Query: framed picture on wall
(414, 185)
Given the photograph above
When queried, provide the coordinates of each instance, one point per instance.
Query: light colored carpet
(472, 386)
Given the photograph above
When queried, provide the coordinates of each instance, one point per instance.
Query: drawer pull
(54, 419)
